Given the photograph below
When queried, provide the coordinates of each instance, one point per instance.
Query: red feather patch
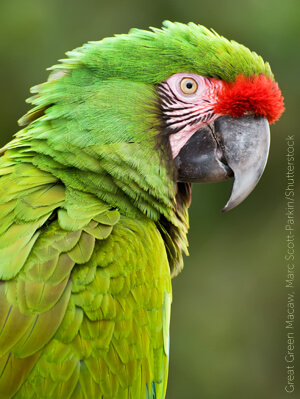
(257, 94)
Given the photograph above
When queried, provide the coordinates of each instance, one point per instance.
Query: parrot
(94, 197)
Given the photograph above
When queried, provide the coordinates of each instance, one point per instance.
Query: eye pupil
(189, 85)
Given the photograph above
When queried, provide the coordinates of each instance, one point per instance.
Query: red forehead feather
(256, 94)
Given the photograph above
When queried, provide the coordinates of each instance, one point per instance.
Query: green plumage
(93, 223)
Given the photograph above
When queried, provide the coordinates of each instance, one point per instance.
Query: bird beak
(229, 147)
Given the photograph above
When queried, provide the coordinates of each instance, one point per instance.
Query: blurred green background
(228, 335)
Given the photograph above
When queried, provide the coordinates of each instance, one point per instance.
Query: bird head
(219, 130)
(136, 117)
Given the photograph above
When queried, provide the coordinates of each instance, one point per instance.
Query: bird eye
(188, 85)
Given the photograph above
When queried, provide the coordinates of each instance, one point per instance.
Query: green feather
(93, 222)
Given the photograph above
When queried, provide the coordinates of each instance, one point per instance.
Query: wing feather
(85, 295)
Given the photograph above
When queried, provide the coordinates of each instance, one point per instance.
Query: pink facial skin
(186, 113)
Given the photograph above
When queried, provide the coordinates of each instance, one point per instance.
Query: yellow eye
(188, 85)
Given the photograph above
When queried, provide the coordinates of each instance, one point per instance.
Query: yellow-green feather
(93, 221)
(84, 313)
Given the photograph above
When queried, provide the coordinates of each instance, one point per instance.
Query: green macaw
(94, 197)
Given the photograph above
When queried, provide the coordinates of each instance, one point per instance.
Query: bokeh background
(228, 336)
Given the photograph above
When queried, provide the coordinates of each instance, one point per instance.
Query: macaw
(94, 197)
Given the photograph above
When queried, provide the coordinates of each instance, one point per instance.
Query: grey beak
(230, 147)
(245, 145)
